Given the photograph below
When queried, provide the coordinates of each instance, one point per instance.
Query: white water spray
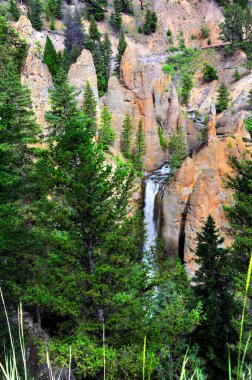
(153, 189)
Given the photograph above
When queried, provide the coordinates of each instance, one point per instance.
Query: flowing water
(154, 188)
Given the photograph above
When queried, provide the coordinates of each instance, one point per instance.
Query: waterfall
(154, 188)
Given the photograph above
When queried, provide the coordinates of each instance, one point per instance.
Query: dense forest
(104, 304)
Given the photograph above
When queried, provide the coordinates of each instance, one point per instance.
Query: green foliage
(168, 69)
(214, 288)
(162, 139)
(127, 129)
(139, 29)
(13, 48)
(55, 8)
(177, 149)
(107, 135)
(209, 73)
(17, 184)
(75, 37)
(139, 147)
(186, 85)
(240, 214)
(204, 31)
(236, 28)
(120, 50)
(96, 10)
(223, 98)
(236, 75)
(90, 107)
(50, 57)
(150, 22)
(182, 63)
(15, 12)
(35, 13)
(102, 53)
(116, 15)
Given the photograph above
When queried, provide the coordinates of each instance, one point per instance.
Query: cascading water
(154, 188)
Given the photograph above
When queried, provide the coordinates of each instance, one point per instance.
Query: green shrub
(140, 29)
(162, 140)
(209, 73)
(205, 32)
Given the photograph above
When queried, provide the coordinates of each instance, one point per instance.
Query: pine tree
(127, 129)
(153, 22)
(236, 75)
(90, 106)
(232, 27)
(120, 50)
(147, 22)
(55, 8)
(139, 146)
(93, 248)
(50, 57)
(186, 85)
(12, 47)
(94, 36)
(116, 16)
(107, 56)
(15, 12)
(222, 98)
(213, 287)
(107, 134)
(127, 6)
(96, 10)
(209, 73)
(35, 13)
(74, 35)
(177, 149)
(17, 184)
(240, 214)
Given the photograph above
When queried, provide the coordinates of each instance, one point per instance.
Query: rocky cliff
(145, 92)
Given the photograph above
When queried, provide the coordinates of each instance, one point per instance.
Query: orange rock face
(198, 190)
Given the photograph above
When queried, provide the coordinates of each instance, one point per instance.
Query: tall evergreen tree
(150, 22)
(232, 27)
(107, 134)
(139, 146)
(222, 98)
(15, 12)
(18, 131)
(107, 56)
(240, 214)
(94, 36)
(74, 35)
(50, 57)
(91, 206)
(127, 135)
(177, 149)
(35, 13)
(90, 106)
(12, 47)
(116, 15)
(120, 50)
(213, 287)
(55, 8)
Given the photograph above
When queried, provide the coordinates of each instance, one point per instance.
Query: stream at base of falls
(154, 185)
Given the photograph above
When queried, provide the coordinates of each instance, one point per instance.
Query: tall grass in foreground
(9, 369)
